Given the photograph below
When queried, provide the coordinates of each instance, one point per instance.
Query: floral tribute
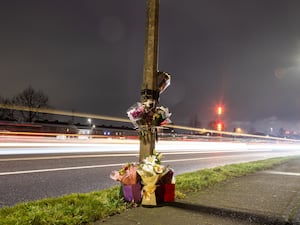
(147, 183)
(131, 185)
(151, 172)
(147, 115)
(140, 114)
(126, 175)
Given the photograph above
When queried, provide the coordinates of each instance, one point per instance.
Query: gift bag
(132, 192)
(165, 193)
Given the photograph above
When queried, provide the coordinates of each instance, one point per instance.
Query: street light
(219, 122)
(90, 125)
(220, 126)
(238, 130)
(220, 110)
(89, 121)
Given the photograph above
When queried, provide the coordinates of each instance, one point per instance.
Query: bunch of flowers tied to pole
(140, 114)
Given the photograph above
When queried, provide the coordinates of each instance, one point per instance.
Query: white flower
(150, 160)
(146, 169)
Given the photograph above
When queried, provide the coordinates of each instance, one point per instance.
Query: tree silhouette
(6, 114)
(33, 100)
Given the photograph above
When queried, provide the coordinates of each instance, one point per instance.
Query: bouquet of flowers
(136, 113)
(151, 171)
(142, 114)
(131, 186)
(126, 175)
(161, 116)
(148, 182)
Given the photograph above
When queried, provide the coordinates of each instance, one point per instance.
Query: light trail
(122, 155)
(118, 119)
(63, 113)
(67, 157)
(133, 146)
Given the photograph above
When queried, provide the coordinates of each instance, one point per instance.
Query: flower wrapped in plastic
(150, 171)
(131, 186)
(126, 175)
(161, 116)
(136, 112)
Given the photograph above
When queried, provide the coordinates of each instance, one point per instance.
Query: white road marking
(107, 165)
(59, 169)
(282, 173)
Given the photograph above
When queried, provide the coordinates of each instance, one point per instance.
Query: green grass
(199, 180)
(69, 209)
(78, 209)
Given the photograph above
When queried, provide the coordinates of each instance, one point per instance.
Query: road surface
(35, 170)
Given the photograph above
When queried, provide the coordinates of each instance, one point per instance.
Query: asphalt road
(49, 171)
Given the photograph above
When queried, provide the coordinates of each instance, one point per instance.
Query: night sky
(87, 56)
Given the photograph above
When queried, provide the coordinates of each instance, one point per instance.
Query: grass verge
(78, 209)
(197, 181)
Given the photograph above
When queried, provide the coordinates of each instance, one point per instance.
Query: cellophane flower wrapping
(136, 113)
(149, 197)
(130, 182)
(132, 192)
(161, 116)
(141, 114)
(163, 80)
(150, 171)
(126, 175)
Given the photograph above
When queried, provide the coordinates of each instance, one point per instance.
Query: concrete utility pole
(149, 92)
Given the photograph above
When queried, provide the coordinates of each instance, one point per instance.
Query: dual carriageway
(38, 167)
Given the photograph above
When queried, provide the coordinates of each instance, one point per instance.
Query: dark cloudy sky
(87, 56)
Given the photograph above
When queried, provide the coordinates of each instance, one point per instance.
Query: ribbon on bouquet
(149, 188)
